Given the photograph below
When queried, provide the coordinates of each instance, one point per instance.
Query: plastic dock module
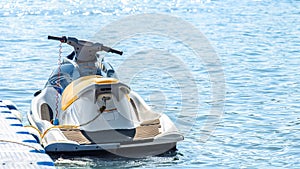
(18, 148)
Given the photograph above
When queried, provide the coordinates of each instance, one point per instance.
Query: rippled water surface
(257, 42)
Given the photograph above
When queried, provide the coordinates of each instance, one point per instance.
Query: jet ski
(85, 109)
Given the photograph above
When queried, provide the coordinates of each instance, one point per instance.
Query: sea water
(240, 110)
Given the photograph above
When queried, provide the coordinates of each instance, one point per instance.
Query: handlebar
(80, 44)
(62, 39)
(116, 51)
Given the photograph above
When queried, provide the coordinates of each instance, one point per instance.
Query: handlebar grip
(115, 51)
(62, 39)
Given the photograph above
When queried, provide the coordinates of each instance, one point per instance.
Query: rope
(86, 123)
(21, 143)
(59, 127)
(72, 126)
(69, 126)
(58, 79)
(102, 109)
(35, 129)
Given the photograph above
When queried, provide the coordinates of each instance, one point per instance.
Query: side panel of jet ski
(141, 109)
(43, 105)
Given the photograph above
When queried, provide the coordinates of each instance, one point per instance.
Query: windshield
(68, 71)
(63, 76)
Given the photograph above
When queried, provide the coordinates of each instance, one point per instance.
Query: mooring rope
(58, 83)
(58, 127)
(23, 144)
